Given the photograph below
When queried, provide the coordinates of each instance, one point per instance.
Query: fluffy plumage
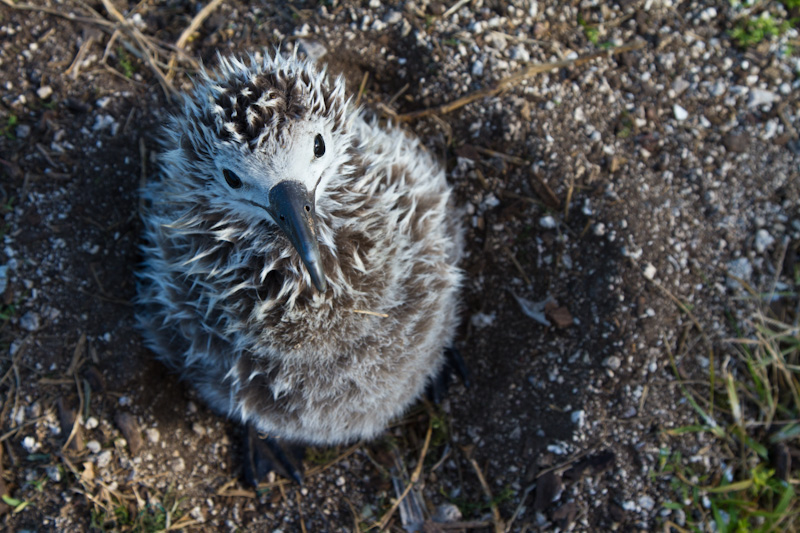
(225, 296)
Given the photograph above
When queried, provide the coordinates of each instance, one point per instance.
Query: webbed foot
(265, 454)
(437, 388)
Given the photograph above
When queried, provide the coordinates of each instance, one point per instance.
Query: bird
(300, 259)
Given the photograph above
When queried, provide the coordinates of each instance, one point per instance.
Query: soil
(610, 190)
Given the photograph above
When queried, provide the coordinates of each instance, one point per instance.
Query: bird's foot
(437, 388)
(265, 454)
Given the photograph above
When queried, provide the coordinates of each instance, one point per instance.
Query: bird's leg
(264, 454)
(437, 388)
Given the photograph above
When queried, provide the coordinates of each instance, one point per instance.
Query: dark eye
(319, 146)
(233, 180)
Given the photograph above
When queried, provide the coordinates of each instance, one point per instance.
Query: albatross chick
(300, 259)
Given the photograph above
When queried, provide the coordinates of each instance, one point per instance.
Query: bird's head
(261, 143)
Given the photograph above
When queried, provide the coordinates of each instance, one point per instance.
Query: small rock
(759, 97)
(94, 446)
(178, 464)
(130, 430)
(44, 92)
(647, 503)
(742, 269)
(708, 14)
(3, 279)
(560, 316)
(548, 490)
(599, 229)
(548, 222)
(66, 420)
(53, 473)
(153, 435)
(649, 271)
(718, 89)
(198, 429)
(447, 512)
(763, 240)
(22, 131)
(566, 514)
(30, 321)
(680, 113)
(613, 362)
(91, 423)
(340, 481)
(578, 418)
(680, 85)
(481, 320)
(736, 143)
(477, 68)
(104, 459)
(30, 444)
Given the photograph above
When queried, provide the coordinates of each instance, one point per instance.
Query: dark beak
(293, 210)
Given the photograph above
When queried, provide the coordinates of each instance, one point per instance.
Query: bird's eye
(233, 180)
(319, 146)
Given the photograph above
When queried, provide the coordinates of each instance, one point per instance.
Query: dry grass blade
(497, 521)
(143, 44)
(414, 478)
(518, 266)
(195, 23)
(515, 79)
(362, 87)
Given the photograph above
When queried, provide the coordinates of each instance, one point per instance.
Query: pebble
(647, 503)
(127, 424)
(680, 113)
(44, 92)
(718, 89)
(153, 435)
(94, 446)
(742, 269)
(680, 85)
(447, 512)
(22, 131)
(759, 97)
(30, 444)
(649, 271)
(547, 222)
(3, 278)
(477, 68)
(613, 362)
(30, 321)
(340, 481)
(735, 143)
(178, 464)
(763, 240)
(53, 473)
(104, 459)
(578, 418)
(599, 229)
(91, 423)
